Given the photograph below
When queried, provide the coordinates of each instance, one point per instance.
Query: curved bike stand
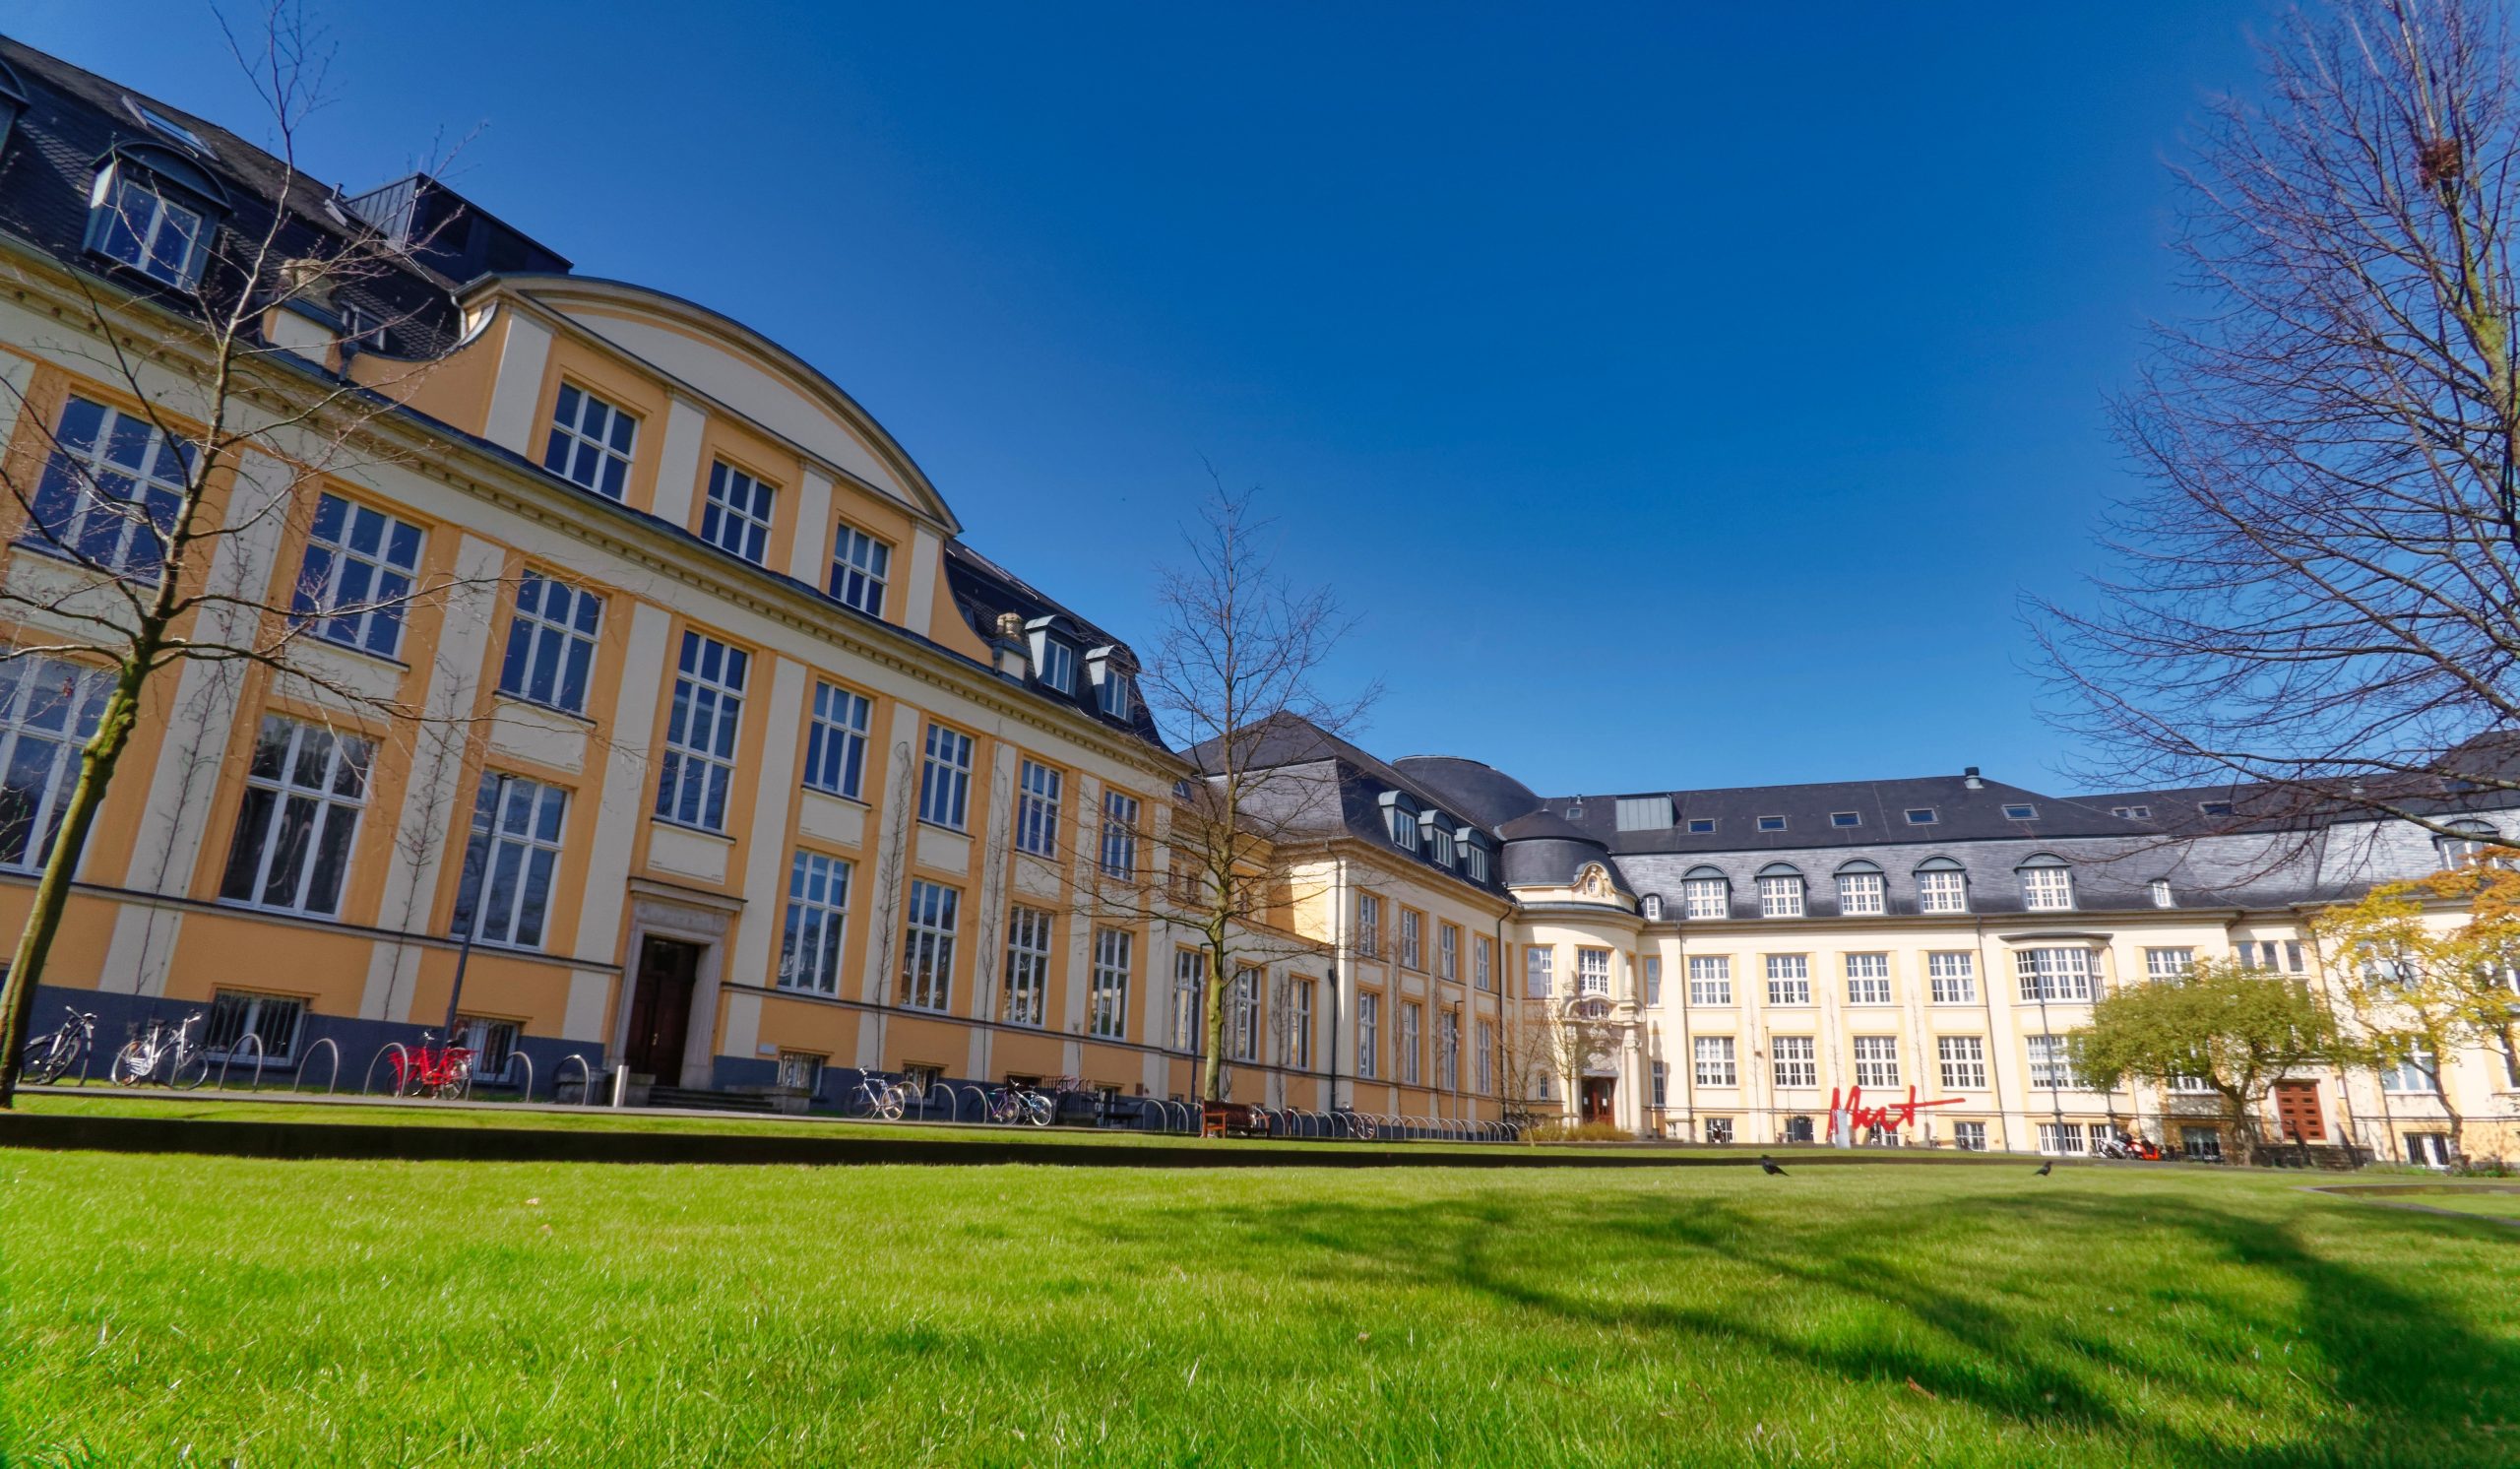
(585, 1078)
(933, 1088)
(520, 1058)
(303, 1067)
(367, 1085)
(229, 1055)
(980, 1103)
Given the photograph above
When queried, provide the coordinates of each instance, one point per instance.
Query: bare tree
(156, 521)
(1545, 1050)
(2319, 593)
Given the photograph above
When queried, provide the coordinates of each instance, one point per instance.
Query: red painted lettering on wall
(1896, 1114)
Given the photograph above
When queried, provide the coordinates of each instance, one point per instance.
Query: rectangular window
(1109, 1015)
(810, 946)
(737, 517)
(1441, 845)
(295, 831)
(1719, 1131)
(48, 710)
(1028, 965)
(859, 565)
(1111, 695)
(1482, 962)
(2417, 1072)
(1700, 826)
(357, 580)
(1447, 951)
(135, 223)
(1410, 955)
(1846, 818)
(1770, 823)
(550, 643)
(1369, 924)
(1861, 893)
(699, 766)
(1036, 809)
(1788, 980)
(945, 778)
(1368, 1034)
(491, 1042)
(1119, 835)
(1954, 976)
(2060, 1139)
(803, 1070)
(1964, 1062)
(591, 442)
(2046, 889)
(1922, 816)
(927, 958)
(515, 853)
(2051, 1064)
(1652, 979)
(2061, 973)
(1242, 1025)
(2161, 896)
(1662, 1084)
(1715, 1062)
(274, 1020)
(1299, 1027)
(1796, 1063)
(2169, 964)
(1448, 1050)
(1969, 1138)
(1409, 1022)
(1876, 1061)
(1592, 971)
(1189, 999)
(1710, 980)
(1058, 666)
(1539, 972)
(836, 742)
(109, 490)
(2201, 1144)
(1868, 979)
(1705, 898)
(1780, 897)
(1484, 1066)
(1943, 890)
(2271, 954)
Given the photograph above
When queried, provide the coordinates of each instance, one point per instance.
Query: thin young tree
(2317, 590)
(156, 520)
(2239, 1031)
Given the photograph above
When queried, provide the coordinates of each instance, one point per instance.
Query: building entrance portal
(1596, 1100)
(660, 1010)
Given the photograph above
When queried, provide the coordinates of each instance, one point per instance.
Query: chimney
(1014, 656)
(1969, 777)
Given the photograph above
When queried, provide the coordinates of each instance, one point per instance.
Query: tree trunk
(53, 892)
(1212, 1026)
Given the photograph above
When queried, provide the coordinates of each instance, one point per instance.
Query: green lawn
(168, 1309)
(2500, 1203)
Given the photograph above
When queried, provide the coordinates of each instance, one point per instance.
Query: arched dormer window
(1400, 819)
(1862, 890)
(1652, 902)
(1942, 886)
(155, 210)
(1476, 863)
(1780, 891)
(1706, 893)
(2471, 846)
(1435, 837)
(2047, 884)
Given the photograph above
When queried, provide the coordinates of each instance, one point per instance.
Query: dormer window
(1400, 819)
(1436, 830)
(13, 100)
(1058, 665)
(1653, 906)
(153, 210)
(1113, 692)
(1473, 863)
(2468, 843)
(2047, 884)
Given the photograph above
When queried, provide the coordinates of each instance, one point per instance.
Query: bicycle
(47, 1059)
(157, 1049)
(1010, 1105)
(425, 1071)
(884, 1097)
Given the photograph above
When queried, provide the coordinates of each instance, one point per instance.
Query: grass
(159, 1310)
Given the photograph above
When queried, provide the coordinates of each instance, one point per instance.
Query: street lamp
(478, 881)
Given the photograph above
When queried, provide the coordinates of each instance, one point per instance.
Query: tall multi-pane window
(135, 222)
(836, 742)
(1447, 951)
(927, 957)
(1107, 1007)
(1861, 893)
(1943, 890)
(1592, 971)
(1868, 979)
(1370, 924)
(1652, 979)
(1411, 950)
(859, 566)
(303, 792)
(2053, 973)
(1788, 979)
(1795, 1059)
(1119, 835)
(1969, 1138)
(1539, 972)
(1473, 863)
(1299, 1025)
(2052, 1063)
(2169, 964)
(1964, 1062)
(1058, 666)
(1482, 962)
(2417, 1072)
(2047, 888)
(1368, 1034)
(1484, 1065)
(1705, 898)
(737, 517)
(1243, 1022)
(1189, 999)
(1036, 809)
(1876, 1061)
(945, 778)
(809, 947)
(1953, 973)
(48, 710)
(550, 643)
(110, 490)
(357, 580)
(1710, 979)
(1448, 1050)
(1028, 964)
(699, 766)
(591, 442)
(1443, 848)
(514, 854)
(1662, 1077)
(1714, 1062)
(2062, 1139)
(1781, 897)
(1409, 1043)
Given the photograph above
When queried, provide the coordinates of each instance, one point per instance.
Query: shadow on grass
(2254, 1348)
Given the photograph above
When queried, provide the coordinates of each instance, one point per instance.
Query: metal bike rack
(367, 1084)
(585, 1078)
(518, 1057)
(227, 1056)
(308, 1064)
(933, 1088)
(980, 1102)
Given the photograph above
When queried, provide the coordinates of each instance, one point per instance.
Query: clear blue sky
(1680, 394)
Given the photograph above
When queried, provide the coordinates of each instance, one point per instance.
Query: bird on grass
(1767, 1165)
(2046, 1167)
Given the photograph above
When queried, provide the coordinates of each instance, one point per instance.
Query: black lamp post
(479, 881)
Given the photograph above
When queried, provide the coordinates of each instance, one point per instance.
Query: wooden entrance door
(660, 1010)
(2296, 1111)
(1596, 1101)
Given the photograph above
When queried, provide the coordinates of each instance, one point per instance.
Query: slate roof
(982, 588)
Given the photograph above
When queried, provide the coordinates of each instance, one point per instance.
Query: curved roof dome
(1481, 792)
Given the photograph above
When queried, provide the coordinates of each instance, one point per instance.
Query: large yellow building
(751, 775)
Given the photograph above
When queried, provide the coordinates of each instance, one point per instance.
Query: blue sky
(1678, 395)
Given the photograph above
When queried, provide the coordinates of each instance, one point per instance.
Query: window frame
(79, 472)
(931, 925)
(539, 848)
(815, 915)
(739, 512)
(1107, 1000)
(862, 568)
(696, 773)
(572, 446)
(557, 654)
(315, 595)
(833, 738)
(81, 706)
(1032, 937)
(282, 793)
(945, 776)
(1040, 792)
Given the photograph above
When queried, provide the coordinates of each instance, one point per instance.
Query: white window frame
(2169, 963)
(1794, 1061)
(696, 778)
(739, 512)
(1242, 1021)
(1483, 1065)
(1483, 963)
(1788, 979)
(351, 594)
(337, 794)
(1370, 924)
(1107, 1004)
(1706, 898)
(1862, 894)
(1952, 975)
(1058, 665)
(1943, 890)
(1710, 979)
(1876, 1061)
(1411, 1022)
(2061, 1140)
(604, 453)
(1119, 856)
(813, 936)
(138, 211)
(1030, 934)
(1969, 1138)
(49, 709)
(2058, 974)
(1447, 951)
(1592, 971)
(1963, 1062)
(1780, 897)
(836, 740)
(945, 778)
(1300, 1024)
(552, 629)
(1368, 1035)
(1412, 941)
(934, 923)
(2047, 888)
(1713, 1057)
(236, 1015)
(2053, 1067)
(1868, 979)
(1038, 789)
(99, 496)
(860, 568)
(514, 854)
(1540, 971)
(1189, 999)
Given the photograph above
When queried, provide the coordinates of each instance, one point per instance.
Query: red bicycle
(426, 1071)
